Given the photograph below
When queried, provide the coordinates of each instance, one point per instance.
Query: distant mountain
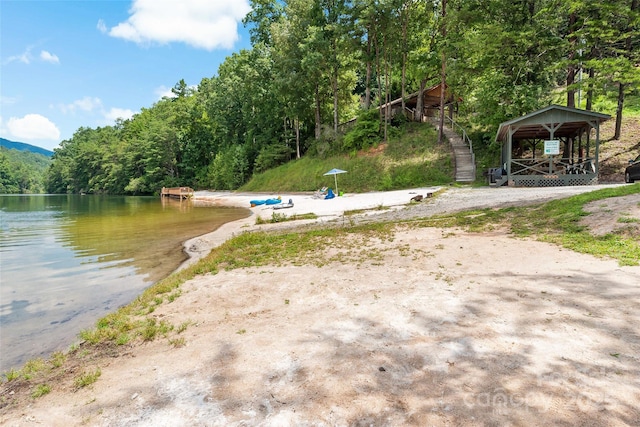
(21, 146)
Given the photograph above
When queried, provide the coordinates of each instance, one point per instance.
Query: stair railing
(465, 139)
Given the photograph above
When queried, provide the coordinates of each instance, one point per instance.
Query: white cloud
(118, 113)
(49, 57)
(205, 24)
(87, 104)
(25, 57)
(164, 92)
(32, 127)
(101, 26)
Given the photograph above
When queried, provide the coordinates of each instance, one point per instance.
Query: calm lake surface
(66, 261)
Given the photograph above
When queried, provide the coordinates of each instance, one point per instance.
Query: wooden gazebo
(554, 146)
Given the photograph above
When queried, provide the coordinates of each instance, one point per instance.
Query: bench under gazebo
(554, 146)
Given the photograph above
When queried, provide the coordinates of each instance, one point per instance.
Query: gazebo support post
(597, 148)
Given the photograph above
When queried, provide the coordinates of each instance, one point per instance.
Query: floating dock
(177, 192)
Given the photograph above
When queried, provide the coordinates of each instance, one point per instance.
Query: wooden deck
(177, 192)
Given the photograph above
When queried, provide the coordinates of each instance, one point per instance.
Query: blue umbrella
(335, 173)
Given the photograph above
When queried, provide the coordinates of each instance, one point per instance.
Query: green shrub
(272, 156)
(365, 133)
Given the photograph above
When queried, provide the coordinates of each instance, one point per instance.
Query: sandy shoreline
(398, 206)
(303, 203)
(428, 327)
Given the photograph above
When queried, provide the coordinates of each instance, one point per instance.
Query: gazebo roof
(566, 121)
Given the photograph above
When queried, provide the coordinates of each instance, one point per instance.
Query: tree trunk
(405, 20)
(419, 113)
(571, 70)
(590, 90)
(387, 109)
(367, 89)
(571, 93)
(317, 96)
(297, 123)
(334, 84)
(443, 75)
(379, 75)
(616, 134)
(404, 79)
(621, 87)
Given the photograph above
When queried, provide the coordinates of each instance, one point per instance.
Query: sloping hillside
(22, 172)
(21, 146)
(615, 154)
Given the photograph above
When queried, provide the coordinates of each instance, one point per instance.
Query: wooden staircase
(464, 158)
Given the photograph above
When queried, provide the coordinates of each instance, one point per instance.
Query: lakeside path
(426, 327)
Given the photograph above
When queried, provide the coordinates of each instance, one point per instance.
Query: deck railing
(177, 192)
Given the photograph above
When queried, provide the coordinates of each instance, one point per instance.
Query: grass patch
(41, 390)
(12, 374)
(412, 158)
(183, 327)
(33, 367)
(360, 211)
(57, 359)
(557, 221)
(153, 328)
(628, 220)
(178, 342)
(86, 378)
(281, 217)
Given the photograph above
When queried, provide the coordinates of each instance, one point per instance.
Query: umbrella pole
(335, 177)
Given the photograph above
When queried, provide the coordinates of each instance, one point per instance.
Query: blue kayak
(264, 202)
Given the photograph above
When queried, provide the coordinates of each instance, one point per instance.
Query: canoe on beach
(265, 202)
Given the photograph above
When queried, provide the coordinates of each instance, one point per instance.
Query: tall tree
(611, 35)
(443, 73)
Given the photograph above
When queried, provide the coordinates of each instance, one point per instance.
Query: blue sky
(72, 64)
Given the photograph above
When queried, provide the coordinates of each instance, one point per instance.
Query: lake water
(66, 261)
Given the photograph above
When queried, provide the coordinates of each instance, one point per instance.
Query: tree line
(314, 64)
(22, 172)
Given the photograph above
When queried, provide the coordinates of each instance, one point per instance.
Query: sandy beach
(432, 327)
(303, 203)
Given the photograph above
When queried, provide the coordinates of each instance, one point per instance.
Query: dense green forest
(315, 64)
(22, 172)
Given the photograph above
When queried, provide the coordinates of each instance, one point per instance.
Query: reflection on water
(68, 260)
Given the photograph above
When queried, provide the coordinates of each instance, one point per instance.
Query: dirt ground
(443, 328)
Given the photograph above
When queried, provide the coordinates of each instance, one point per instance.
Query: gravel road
(461, 199)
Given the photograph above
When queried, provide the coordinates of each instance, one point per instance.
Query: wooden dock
(177, 192)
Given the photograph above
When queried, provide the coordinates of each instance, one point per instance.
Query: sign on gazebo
(552, 147)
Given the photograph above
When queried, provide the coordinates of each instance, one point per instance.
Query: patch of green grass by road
(557, 221)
